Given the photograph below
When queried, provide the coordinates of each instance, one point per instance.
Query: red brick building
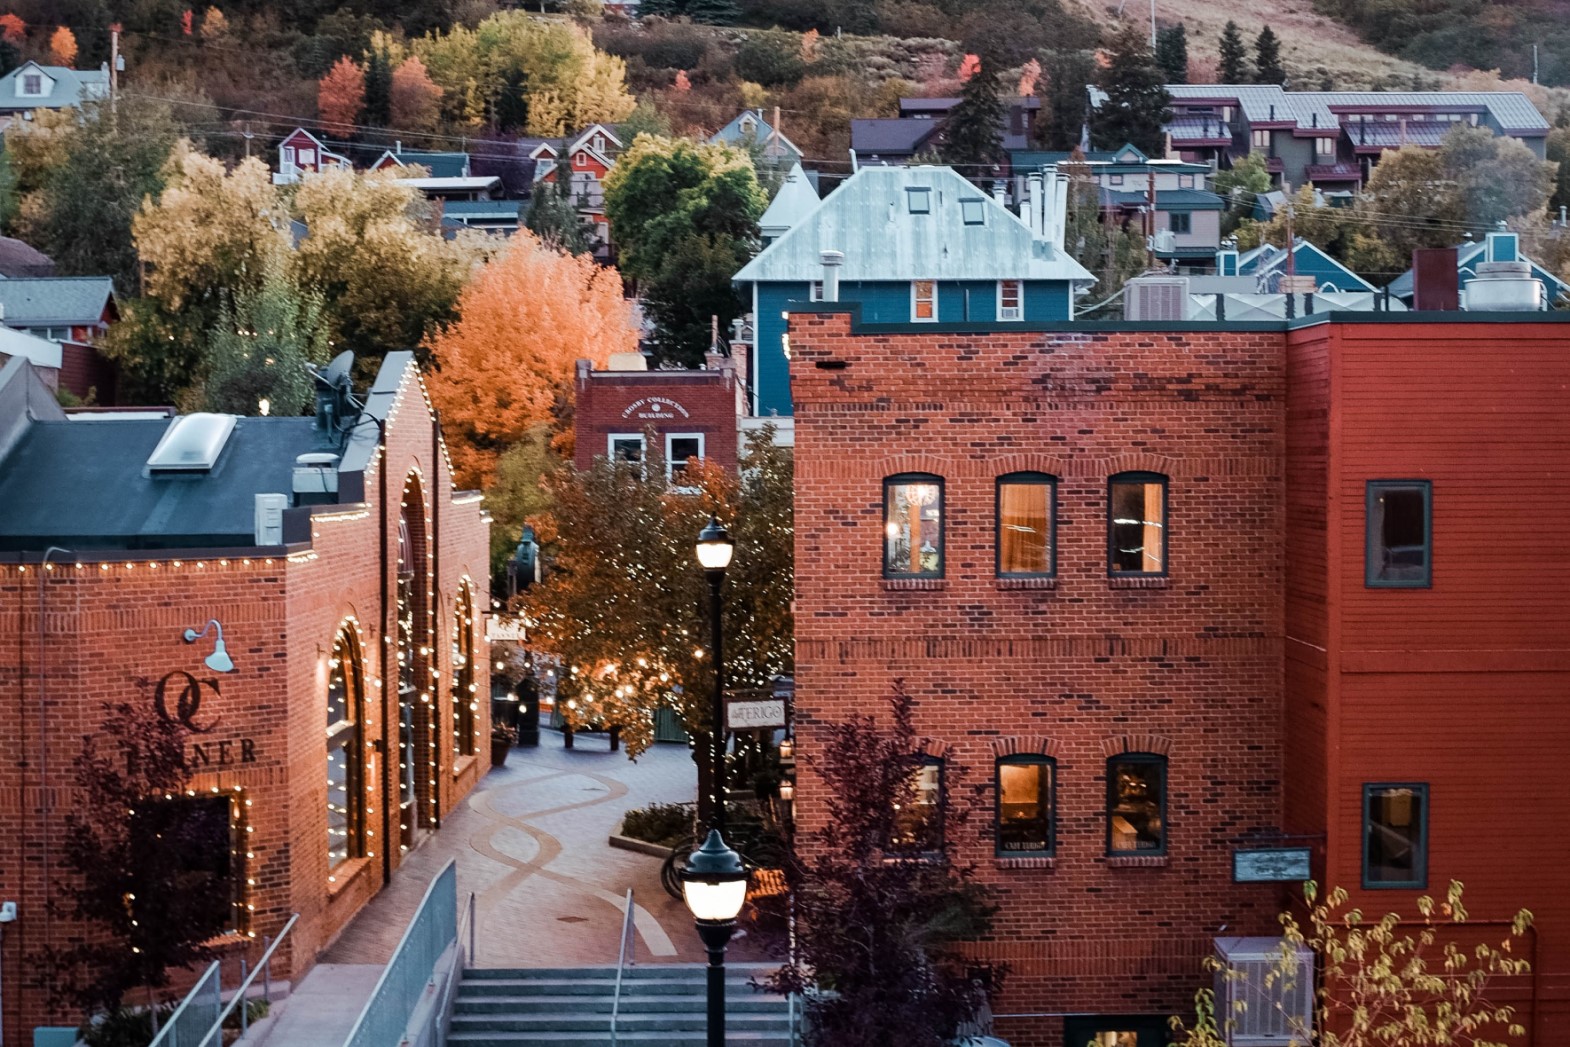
(1121, 569)
(347, 579)
(686, 414)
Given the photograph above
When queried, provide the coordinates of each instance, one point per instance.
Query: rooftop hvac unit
(269, 519)
(1156, 298)
(1264, 996)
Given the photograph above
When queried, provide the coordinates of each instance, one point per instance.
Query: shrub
(663, 823)
(771, 59)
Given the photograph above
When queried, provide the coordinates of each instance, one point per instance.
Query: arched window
(1137, 524)
(1025, 513)
(463, 686)
(913, 526)
(1137, 804)
(1027, 805)
(345, 751)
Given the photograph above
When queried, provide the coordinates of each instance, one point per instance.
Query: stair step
(596, 987)
(630, 1003)
(602, 1022)
(600, 1039)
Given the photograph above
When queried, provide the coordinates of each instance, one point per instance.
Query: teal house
(1268, 264)
(1500, 246)
(910, 247)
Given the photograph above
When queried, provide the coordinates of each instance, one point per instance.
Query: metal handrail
(265, 963)
(466, 919)
(171, 1034)
(432, 930)
(622, 960)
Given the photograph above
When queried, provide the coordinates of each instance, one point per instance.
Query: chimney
(1435, 279)
(1033, 204)
(316, 478)
(397, 147)
(832, 260)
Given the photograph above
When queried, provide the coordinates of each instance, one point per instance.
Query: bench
(614, 732)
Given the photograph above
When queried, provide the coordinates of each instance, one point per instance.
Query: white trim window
(32, 85)
(815, 293)
(625, 447)
(307, 157)
(924, 301)
(1260, 138)
(288, 154)
(681, 448)
(1011, 300)
(1324, 147)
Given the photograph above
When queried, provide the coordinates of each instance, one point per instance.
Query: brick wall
(109, 625)
(633, 402)
(1188, 666)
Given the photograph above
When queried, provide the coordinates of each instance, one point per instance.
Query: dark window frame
(1033, 759)
(349, 735)
(902, 479)
(1180, 222)
(973, 210)
(1150, 759)
(1419, 882)
(918, 194)
(1033, 478)
(1166, 524)
(1371, 490)
(940, 835)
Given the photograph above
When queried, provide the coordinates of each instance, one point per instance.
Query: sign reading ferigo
(500, 628)
(752, 715)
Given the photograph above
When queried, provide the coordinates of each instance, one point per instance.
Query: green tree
(517, 493)
(1172, 53)
(1063, 109)
(378, 87)
(685, 217)
(1098, 240)
(771, 59)
(259, 349)
(1233, 65)
(713, 12)
(1241, 185)
(1383, 982)
(553, 216)
(1267, 58)
(973, 131)
(1558, 151)
(1137, 103)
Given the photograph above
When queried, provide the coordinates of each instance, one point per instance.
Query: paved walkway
(531, 844)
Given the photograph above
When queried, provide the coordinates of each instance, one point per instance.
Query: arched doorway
(417, 800)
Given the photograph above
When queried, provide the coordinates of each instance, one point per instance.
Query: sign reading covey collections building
(654, 408)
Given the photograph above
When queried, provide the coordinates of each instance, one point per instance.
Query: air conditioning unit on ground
(1264, 996)
(1156, 298)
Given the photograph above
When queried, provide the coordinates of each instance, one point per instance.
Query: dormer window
(33, 84)
(974, 212)
(599, 143)
(919, 200)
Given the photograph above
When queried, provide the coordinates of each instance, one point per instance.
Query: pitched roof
(23, 259)
(1267, 258)
(71, 87)
(749, 125)
(1320, 110)
(868, 218)
(41, 351)
(892, 137)
(45, 300)
(794, 201)
(441, 165)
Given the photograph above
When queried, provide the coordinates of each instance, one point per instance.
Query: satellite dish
(337, 373)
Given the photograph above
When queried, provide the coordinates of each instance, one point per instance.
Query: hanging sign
(1271, 865)
(752, 715)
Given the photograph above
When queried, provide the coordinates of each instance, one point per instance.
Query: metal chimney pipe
(1033, 204)
(832, 260)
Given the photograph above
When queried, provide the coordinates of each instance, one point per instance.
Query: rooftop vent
(1504, 286)
(316, 478)
(1156, 298)
(191, 444)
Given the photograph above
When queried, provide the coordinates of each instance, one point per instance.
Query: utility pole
(1152, 26)
(1291, 240)
(1534, 63)
(114, 72)
(1150, 217)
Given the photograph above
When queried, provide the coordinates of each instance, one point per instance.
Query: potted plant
(503, 738)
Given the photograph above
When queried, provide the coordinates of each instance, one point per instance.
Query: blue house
(921, 246)
(1268, 264)
(1501, 246)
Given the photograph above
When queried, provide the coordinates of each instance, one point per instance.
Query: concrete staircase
(571, 1007)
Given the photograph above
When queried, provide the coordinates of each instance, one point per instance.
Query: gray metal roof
(44, 300)
(794, 201)
(895, 136)
(868, 218)
(71, 87)
(748, 126)
(1311, 110)
(1166, 199)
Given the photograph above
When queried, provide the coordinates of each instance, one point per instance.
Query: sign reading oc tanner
(747, 716)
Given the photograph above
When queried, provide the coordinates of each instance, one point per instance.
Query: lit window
(1009, 307)
(974, 212)
(1180, 222)
(345, 769)
(923, 301)
(1399, 534)
(625, 447)
(680, 450)
(919, 200)
(462, 676)
(1137, 524)
(1025, 514)
(1137, 804)
(1395, 836)
(913, 526)
(918, 815)
(1026, 813)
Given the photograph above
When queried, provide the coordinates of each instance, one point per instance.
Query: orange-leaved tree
(507, 361)
(415, 100)
(62, 47)
(340, 96)
(12, 28)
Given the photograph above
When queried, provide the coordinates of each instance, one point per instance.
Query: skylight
(191, 444)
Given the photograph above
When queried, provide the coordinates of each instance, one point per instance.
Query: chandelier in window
(921, 494)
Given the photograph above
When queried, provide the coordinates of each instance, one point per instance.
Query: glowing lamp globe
(714, 547)
(715, 882)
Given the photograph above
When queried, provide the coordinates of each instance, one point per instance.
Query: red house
(1171, 595)
(302, 153)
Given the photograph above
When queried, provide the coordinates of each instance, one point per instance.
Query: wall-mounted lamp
(787, 790)
(219, 661)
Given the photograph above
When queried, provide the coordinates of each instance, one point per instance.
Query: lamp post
(715, 882)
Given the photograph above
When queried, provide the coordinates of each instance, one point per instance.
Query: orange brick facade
(661, 403)
(113, 625)
(1196, 666)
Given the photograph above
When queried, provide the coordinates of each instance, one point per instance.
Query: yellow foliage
(523, 322)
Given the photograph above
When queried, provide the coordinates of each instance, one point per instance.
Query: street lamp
(715, 882)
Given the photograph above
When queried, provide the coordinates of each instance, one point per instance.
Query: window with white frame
(1324, 147)
(33, 84)
(815, 294)
(924, 301)
(1010, 300)
(625, 447)
(288, 154)
(599, 143)
(307, 157)
(1185, 181)
(680, 451)
(1261, 138)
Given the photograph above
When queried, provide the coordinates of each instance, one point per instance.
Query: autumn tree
(340, 97)
(1137, 103)
(1233, 65)
(416, 100)
(260, 346)
(621, 604)
(12, 29)
(62, 47)
(686, 219)
(1386, 981)
(507, 360)
(881, 903)
(215, 26)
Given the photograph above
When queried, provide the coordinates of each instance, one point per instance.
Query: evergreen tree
(378, 88)
(1172, 53)
(1137, 101)
(512, 104)
(660, 8)
(1062, 118)
(553, 216)
(1233, 67)
(1267, 58)
(973, 132)
(713, 12)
